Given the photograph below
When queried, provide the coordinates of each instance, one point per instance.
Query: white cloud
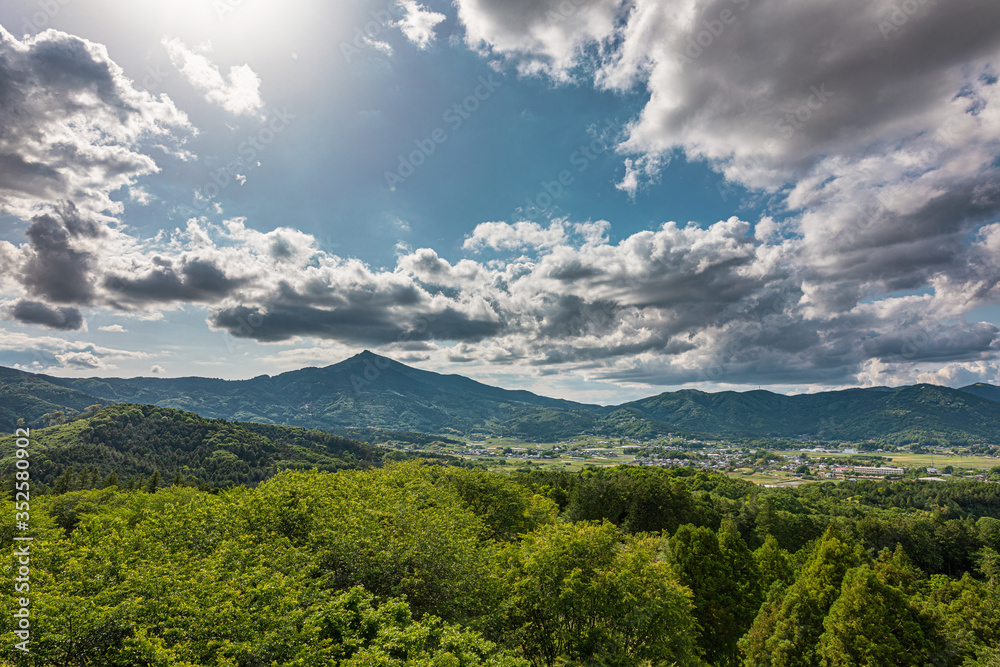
(42, 353)
(679, 304)
(140, 195)
(418, 23)
(156, 369)
(505, 236)
(540, 36)
(113, 328)
(963, 374)
(75, 126)
(238, 93)
(886, 158)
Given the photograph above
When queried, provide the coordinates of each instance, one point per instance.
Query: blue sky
(592, 199)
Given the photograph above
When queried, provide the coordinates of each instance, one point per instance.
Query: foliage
(585, 593)
(786, 634)
(423, 564)
(139, 441)
(506, 508)
(873, 623)
(368, 391)
(726, 581)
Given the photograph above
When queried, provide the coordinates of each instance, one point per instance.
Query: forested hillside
(916, 414)
(366, 390)
(369, 391)
(134, 443)
(428, 565)
(30, 397)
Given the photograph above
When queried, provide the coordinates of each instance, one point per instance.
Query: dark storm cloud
(55, 269)
(35, 312)
(32, 178)
(570, 315)
(936, 343)
(320, 292)
(197, 281)
(356, 323)
(903, 251)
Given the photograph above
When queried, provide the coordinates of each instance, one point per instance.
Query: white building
(885, 470)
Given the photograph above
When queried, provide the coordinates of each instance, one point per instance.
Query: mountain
(369, 391)
(134, 441)
(28, 396)
(366, 390)
(917, 413)
(988, 391)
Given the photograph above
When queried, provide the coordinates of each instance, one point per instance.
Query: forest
(418, 563)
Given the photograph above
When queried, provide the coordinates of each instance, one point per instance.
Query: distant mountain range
(369, 390)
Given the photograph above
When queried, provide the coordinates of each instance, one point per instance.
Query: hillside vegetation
(137, 442)
(416, 565)
(372, 392)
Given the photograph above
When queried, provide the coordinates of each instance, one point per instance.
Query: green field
(940, 461)
(908, 460)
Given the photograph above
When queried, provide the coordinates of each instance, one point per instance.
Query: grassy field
(942, 460)
(769, 478)
(907, 460)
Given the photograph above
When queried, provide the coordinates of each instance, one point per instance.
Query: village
(769, 466)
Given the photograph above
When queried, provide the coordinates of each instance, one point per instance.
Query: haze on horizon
(590, 199)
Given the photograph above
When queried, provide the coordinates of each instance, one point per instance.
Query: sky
(590, 199)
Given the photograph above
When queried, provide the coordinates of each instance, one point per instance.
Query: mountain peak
(364, 355)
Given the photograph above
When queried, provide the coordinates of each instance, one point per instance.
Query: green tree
(588, 594)
(506, 508)
(988, 531)
(54, 417)
(154, 482)
(725, 580)
(989, 566)
(391, 530)
(787, 630)
(774, 564)
(872, 623)
(968, 614)
(745, 590)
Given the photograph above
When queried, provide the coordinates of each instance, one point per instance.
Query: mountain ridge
(370, 390)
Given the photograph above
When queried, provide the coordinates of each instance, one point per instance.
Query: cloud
(879, 138)
(678, 304)
(883, 239)
(963, 374)
(540, 36)
(35, 312)
(156, 369)
(196, 280)
(681, 304)
(57, 268)
(140, 195)
(113, 328)
(504, 236)
(418, 23)
(44, 353)
(238, 93)
(73, 124)
(355, 323)
(872, 137)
